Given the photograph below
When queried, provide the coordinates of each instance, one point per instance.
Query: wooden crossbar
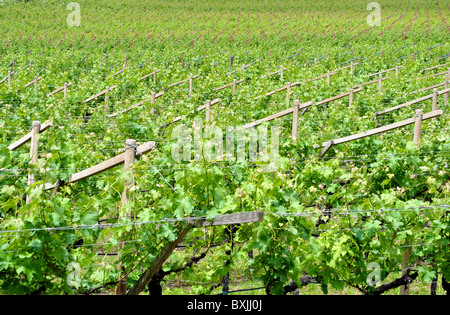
(104, 166)
(383, 129)
(150, 74)
(6, 78)
(32, 82)
(182, 81)
(275, 116)
(228, 85)
(27, 137)
(217, 100)
(58, 90)
(418, 100)
(99, 94)
(384, 71)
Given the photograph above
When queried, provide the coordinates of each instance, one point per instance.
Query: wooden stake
(152, 100)
(295, 119)
(36, 128)
(379, 82)
(154, 76)
(282, 73)
(288, 92)
(106, 99)
(328, 77)
(182, 59)
(404, 290)
(447, 78)
(418, 127)
(35, 83)
(9, 79)
(234, 86)
(65, 90)
(129, 158)
(435, 95)
(190, 84)
(208, 111)
(350, 98)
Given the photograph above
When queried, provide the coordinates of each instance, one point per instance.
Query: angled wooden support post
(35, 130)
(129, 158)
(327, 147)
(295, 114)
(182, 230)
(418, 127)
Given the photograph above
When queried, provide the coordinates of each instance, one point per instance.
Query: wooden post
(396, 72)
(418, 127)
(153, 98)
(35, 83)
(106, 98)
(435, 95)
(182, 59)
(447, 78)
(208, 111)
(234, 86)
(315, 62)
(380, 80)
(404, 290)
(130, 156)
(154, 76)
(350, 98)
(328, 77)
(288, 92)
(65, 90)
(35, 130)
(9, 79)
(295, 119)
(190, 84)
(282, 73)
